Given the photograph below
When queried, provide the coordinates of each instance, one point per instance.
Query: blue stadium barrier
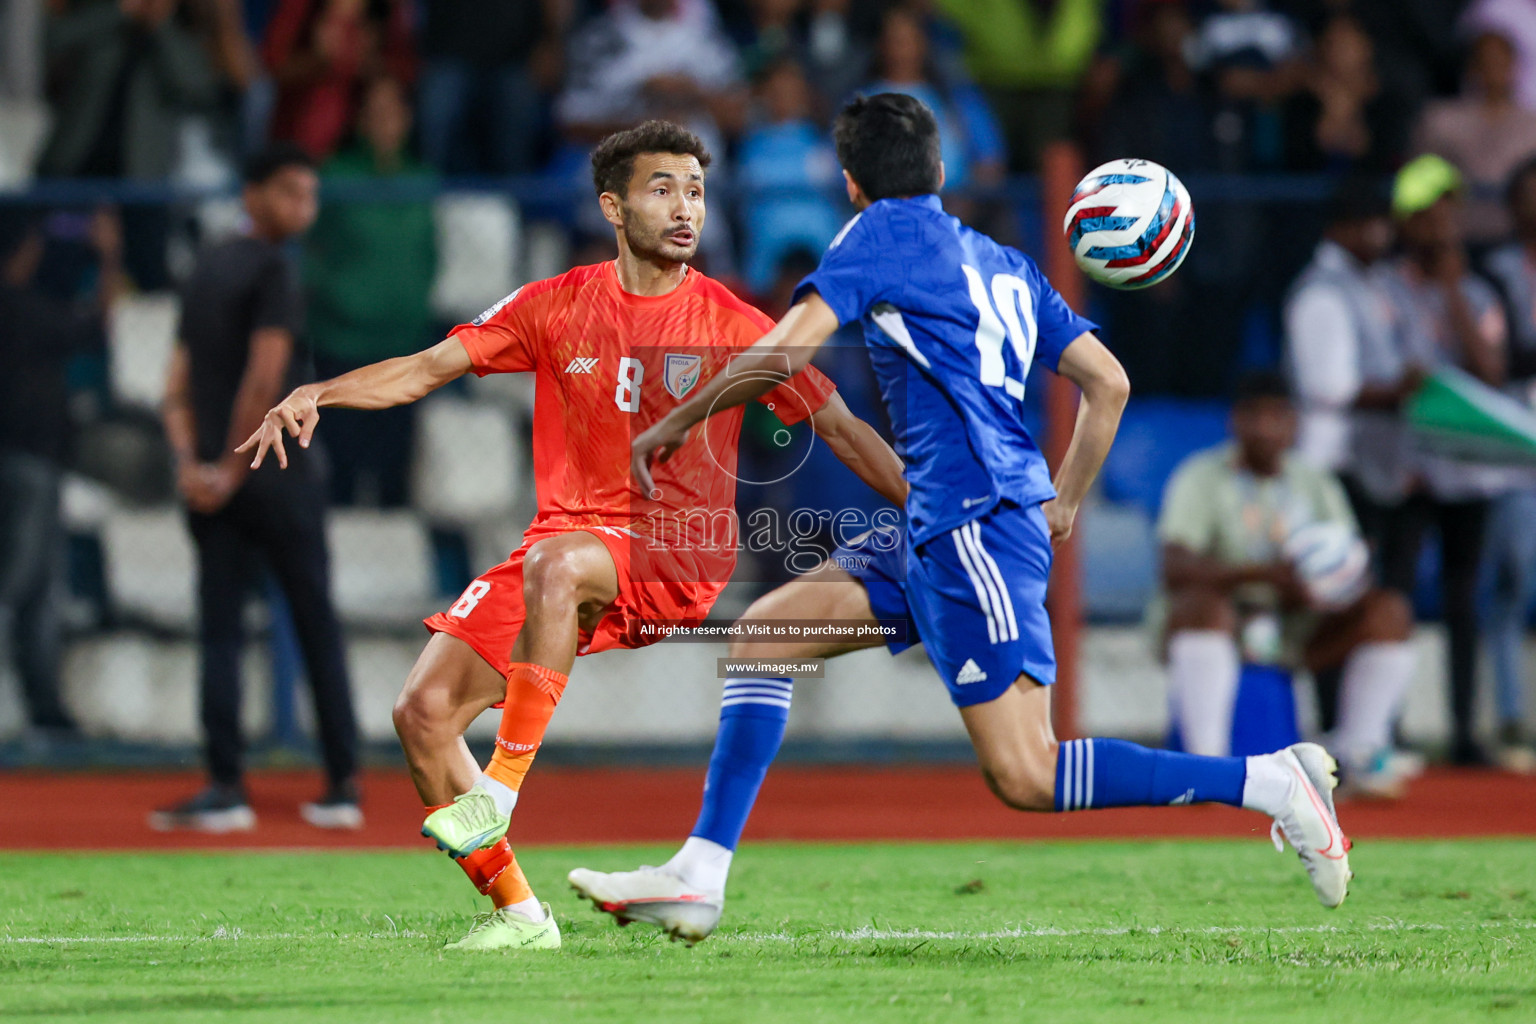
(1119, 554)
(1156, 434)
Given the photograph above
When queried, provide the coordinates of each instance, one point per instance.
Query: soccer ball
(1332, 562)
(1130, 223)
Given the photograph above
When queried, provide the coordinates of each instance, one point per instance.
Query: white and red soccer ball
(1130, 223)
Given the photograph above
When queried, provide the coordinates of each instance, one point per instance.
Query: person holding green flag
(1445, 316)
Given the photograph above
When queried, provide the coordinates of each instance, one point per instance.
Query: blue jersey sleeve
(854, 273)
(1056, 324)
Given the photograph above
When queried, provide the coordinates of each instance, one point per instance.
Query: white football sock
(1202, 681)
(703, 864)
(1267, 786)
(504, 795)
(1376, 676)
(530, 908)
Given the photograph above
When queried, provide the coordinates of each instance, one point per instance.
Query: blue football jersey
(953, 322)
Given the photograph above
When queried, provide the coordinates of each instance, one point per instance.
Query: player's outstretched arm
(1094, 369)
(379, 385)
(773, 359)
(861, 449)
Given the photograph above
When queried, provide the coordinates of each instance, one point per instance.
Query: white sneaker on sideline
(217, 809)
(321, 814)
(653, 896)
(1374, 776)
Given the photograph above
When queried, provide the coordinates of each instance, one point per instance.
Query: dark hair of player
(889, 144)
(1259, 385)
(613, 161)
(279, 156)
(1357, 198)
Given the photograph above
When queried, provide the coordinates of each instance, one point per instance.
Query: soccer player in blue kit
(953, 322)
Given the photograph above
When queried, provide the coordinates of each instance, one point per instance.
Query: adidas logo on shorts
(970, 672)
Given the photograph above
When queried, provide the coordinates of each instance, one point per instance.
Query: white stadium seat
(141, 332)
(133, 687)
(513, 391)
(150, 568)
(547, 251)
(491, 542)
(86, 503)
(478, 235)
(466, 464)
(381, 567)
(23, 130)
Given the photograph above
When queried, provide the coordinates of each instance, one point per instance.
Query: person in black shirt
(241, 322)
(39, 334)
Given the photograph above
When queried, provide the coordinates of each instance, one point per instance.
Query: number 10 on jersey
(1008, 309)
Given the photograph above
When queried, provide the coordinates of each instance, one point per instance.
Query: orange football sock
(510, 885)
(532, 693)
(494, 871)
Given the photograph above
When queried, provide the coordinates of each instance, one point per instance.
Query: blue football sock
(753, 713)
(1114, 773)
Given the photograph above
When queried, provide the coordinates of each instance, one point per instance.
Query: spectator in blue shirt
(971, 139)
(790, 174)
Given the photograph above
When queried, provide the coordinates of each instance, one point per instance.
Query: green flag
(1457, 415)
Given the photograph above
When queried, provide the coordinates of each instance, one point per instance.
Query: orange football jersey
(608, 364)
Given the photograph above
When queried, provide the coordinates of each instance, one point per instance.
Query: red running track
(565, 805)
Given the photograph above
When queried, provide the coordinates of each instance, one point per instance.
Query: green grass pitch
(1152, 931)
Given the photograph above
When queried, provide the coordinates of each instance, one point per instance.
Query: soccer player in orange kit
(615, 346)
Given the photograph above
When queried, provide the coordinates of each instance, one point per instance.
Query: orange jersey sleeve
(804, 393)
(800, 396)
(507, 337)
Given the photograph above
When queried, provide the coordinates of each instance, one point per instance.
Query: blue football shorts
(973, 596)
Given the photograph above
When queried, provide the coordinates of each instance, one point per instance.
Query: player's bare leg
(451, 684)
(567, 584)
(1030, 770)
(685, 896)
(448, 688)
(1016, 745)
(568, 580)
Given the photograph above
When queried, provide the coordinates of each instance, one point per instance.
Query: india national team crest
(682, 373)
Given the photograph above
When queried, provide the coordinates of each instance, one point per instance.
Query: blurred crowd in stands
(1266, 107)
(180, 91)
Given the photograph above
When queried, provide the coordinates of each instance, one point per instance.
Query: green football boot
(472, 822)
(507, 929)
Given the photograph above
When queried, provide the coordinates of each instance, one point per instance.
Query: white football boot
(1308, 822)
(653, 896)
